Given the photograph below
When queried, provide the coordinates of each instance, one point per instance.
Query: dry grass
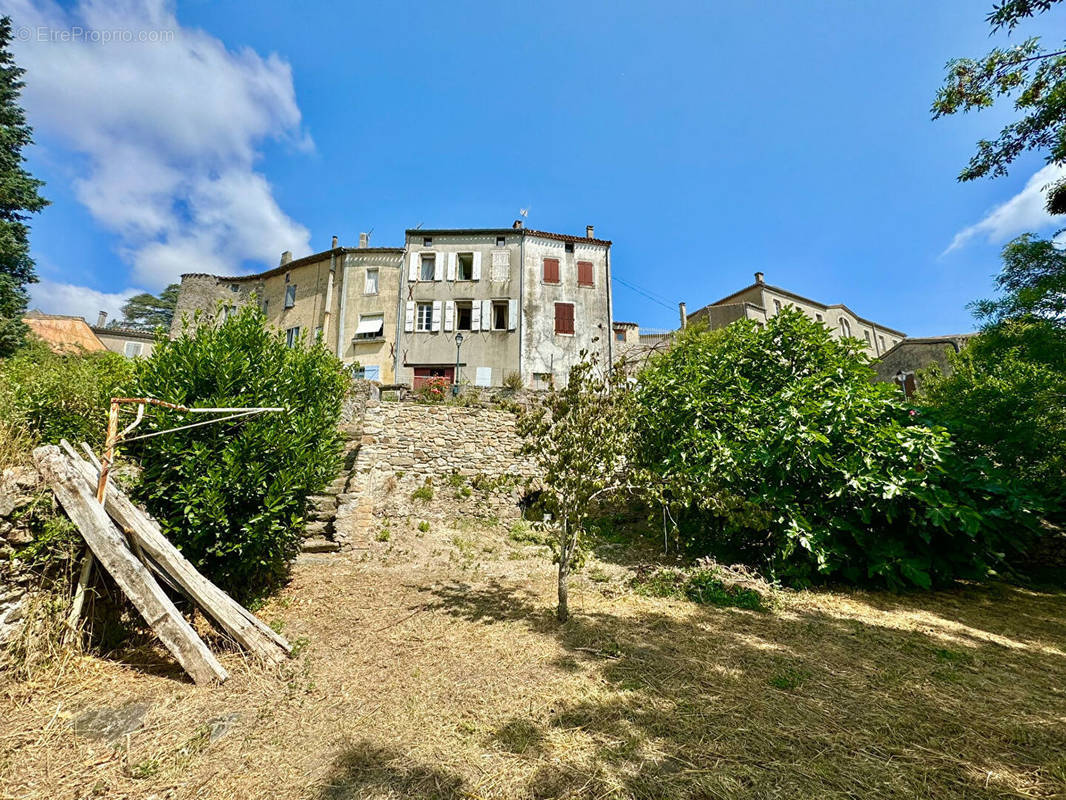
(433, 669)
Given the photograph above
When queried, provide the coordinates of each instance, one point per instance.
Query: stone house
(902, 364)
(760, 301)
(130, 342)
(525, 302)
(347, 296)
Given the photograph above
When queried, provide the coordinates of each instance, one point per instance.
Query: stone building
(526, 302)
(345, 295)
(760, 301)
(130, 342)
(903, 363)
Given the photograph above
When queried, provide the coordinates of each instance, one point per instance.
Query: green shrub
(423, 493)
(700, 585)
(774, 448)
(423, 527)
(513, 381)
(1005, 400)
(53, 396)
(232, 495)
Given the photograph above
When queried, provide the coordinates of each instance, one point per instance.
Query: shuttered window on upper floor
(584, 274)
(551, 270)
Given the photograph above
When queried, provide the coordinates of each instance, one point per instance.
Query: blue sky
(707, 140)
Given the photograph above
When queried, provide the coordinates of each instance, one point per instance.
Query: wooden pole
(248, 630)
(111, 550)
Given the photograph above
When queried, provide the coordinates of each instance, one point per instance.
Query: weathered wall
(496, 350)
(470, 456)
(912, 355)
(543, 350)
(115, 340)
(353, 302)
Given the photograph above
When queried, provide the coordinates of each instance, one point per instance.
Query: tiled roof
(562, 237)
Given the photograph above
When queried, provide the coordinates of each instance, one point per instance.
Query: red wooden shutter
(551, 270)
(584, 273)
(564, 317)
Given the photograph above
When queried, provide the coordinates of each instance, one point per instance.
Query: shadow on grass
(887, 696)
(364, 770)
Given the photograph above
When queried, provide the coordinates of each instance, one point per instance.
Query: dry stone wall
(432, 462)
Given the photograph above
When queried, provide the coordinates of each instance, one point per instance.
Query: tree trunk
(562, 613)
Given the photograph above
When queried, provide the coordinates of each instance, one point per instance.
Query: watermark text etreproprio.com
(45, 33)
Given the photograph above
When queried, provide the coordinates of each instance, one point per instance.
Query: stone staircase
(320, 530)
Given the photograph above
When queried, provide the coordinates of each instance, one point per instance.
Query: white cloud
(170, 131)
(52, 297)
(1022, 213)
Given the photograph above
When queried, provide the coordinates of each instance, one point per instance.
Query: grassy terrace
(430, 666)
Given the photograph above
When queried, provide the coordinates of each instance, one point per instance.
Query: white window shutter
(512, 314)
(436, 315)
(409, 320)
(486, 315)
(449, 315)
(412, 271)
(475, 316)
(438, 266)
(477, 266)
(451, 266)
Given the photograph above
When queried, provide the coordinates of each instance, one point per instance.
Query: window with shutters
(551, 270)
(133, 349)
(564, 318)
(499, 315)
(290, 295)
(584, 273)
(429, 267)
(292, 336)
(371, 285)
(424, 318)
(466, 267)
(464, 311)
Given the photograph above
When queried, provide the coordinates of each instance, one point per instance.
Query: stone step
(338, 485)
(318, 527)
(319, 544)
(319, 503)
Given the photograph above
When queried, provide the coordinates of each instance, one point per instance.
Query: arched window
(845, 327)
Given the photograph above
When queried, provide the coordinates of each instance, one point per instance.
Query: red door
(423, 374)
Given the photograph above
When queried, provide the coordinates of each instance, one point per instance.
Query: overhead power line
(647, 293)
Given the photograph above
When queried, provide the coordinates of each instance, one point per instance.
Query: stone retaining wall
(432, 461)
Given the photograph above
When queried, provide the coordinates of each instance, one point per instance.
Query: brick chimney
(517, 224)
(364, 240)
(759, 278)
(286, 257)
(101, 319)
(333, 245)
(590, 232)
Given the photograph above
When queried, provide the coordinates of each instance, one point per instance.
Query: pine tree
(19, 198)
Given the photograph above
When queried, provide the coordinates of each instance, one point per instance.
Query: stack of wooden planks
(130, 546)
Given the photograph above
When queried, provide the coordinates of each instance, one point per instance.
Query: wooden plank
(113, 553)
(247, 629)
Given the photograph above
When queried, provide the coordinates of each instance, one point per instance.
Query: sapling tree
(580, 435)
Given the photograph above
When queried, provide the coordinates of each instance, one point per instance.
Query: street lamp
(455, 384)
(901, 379)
